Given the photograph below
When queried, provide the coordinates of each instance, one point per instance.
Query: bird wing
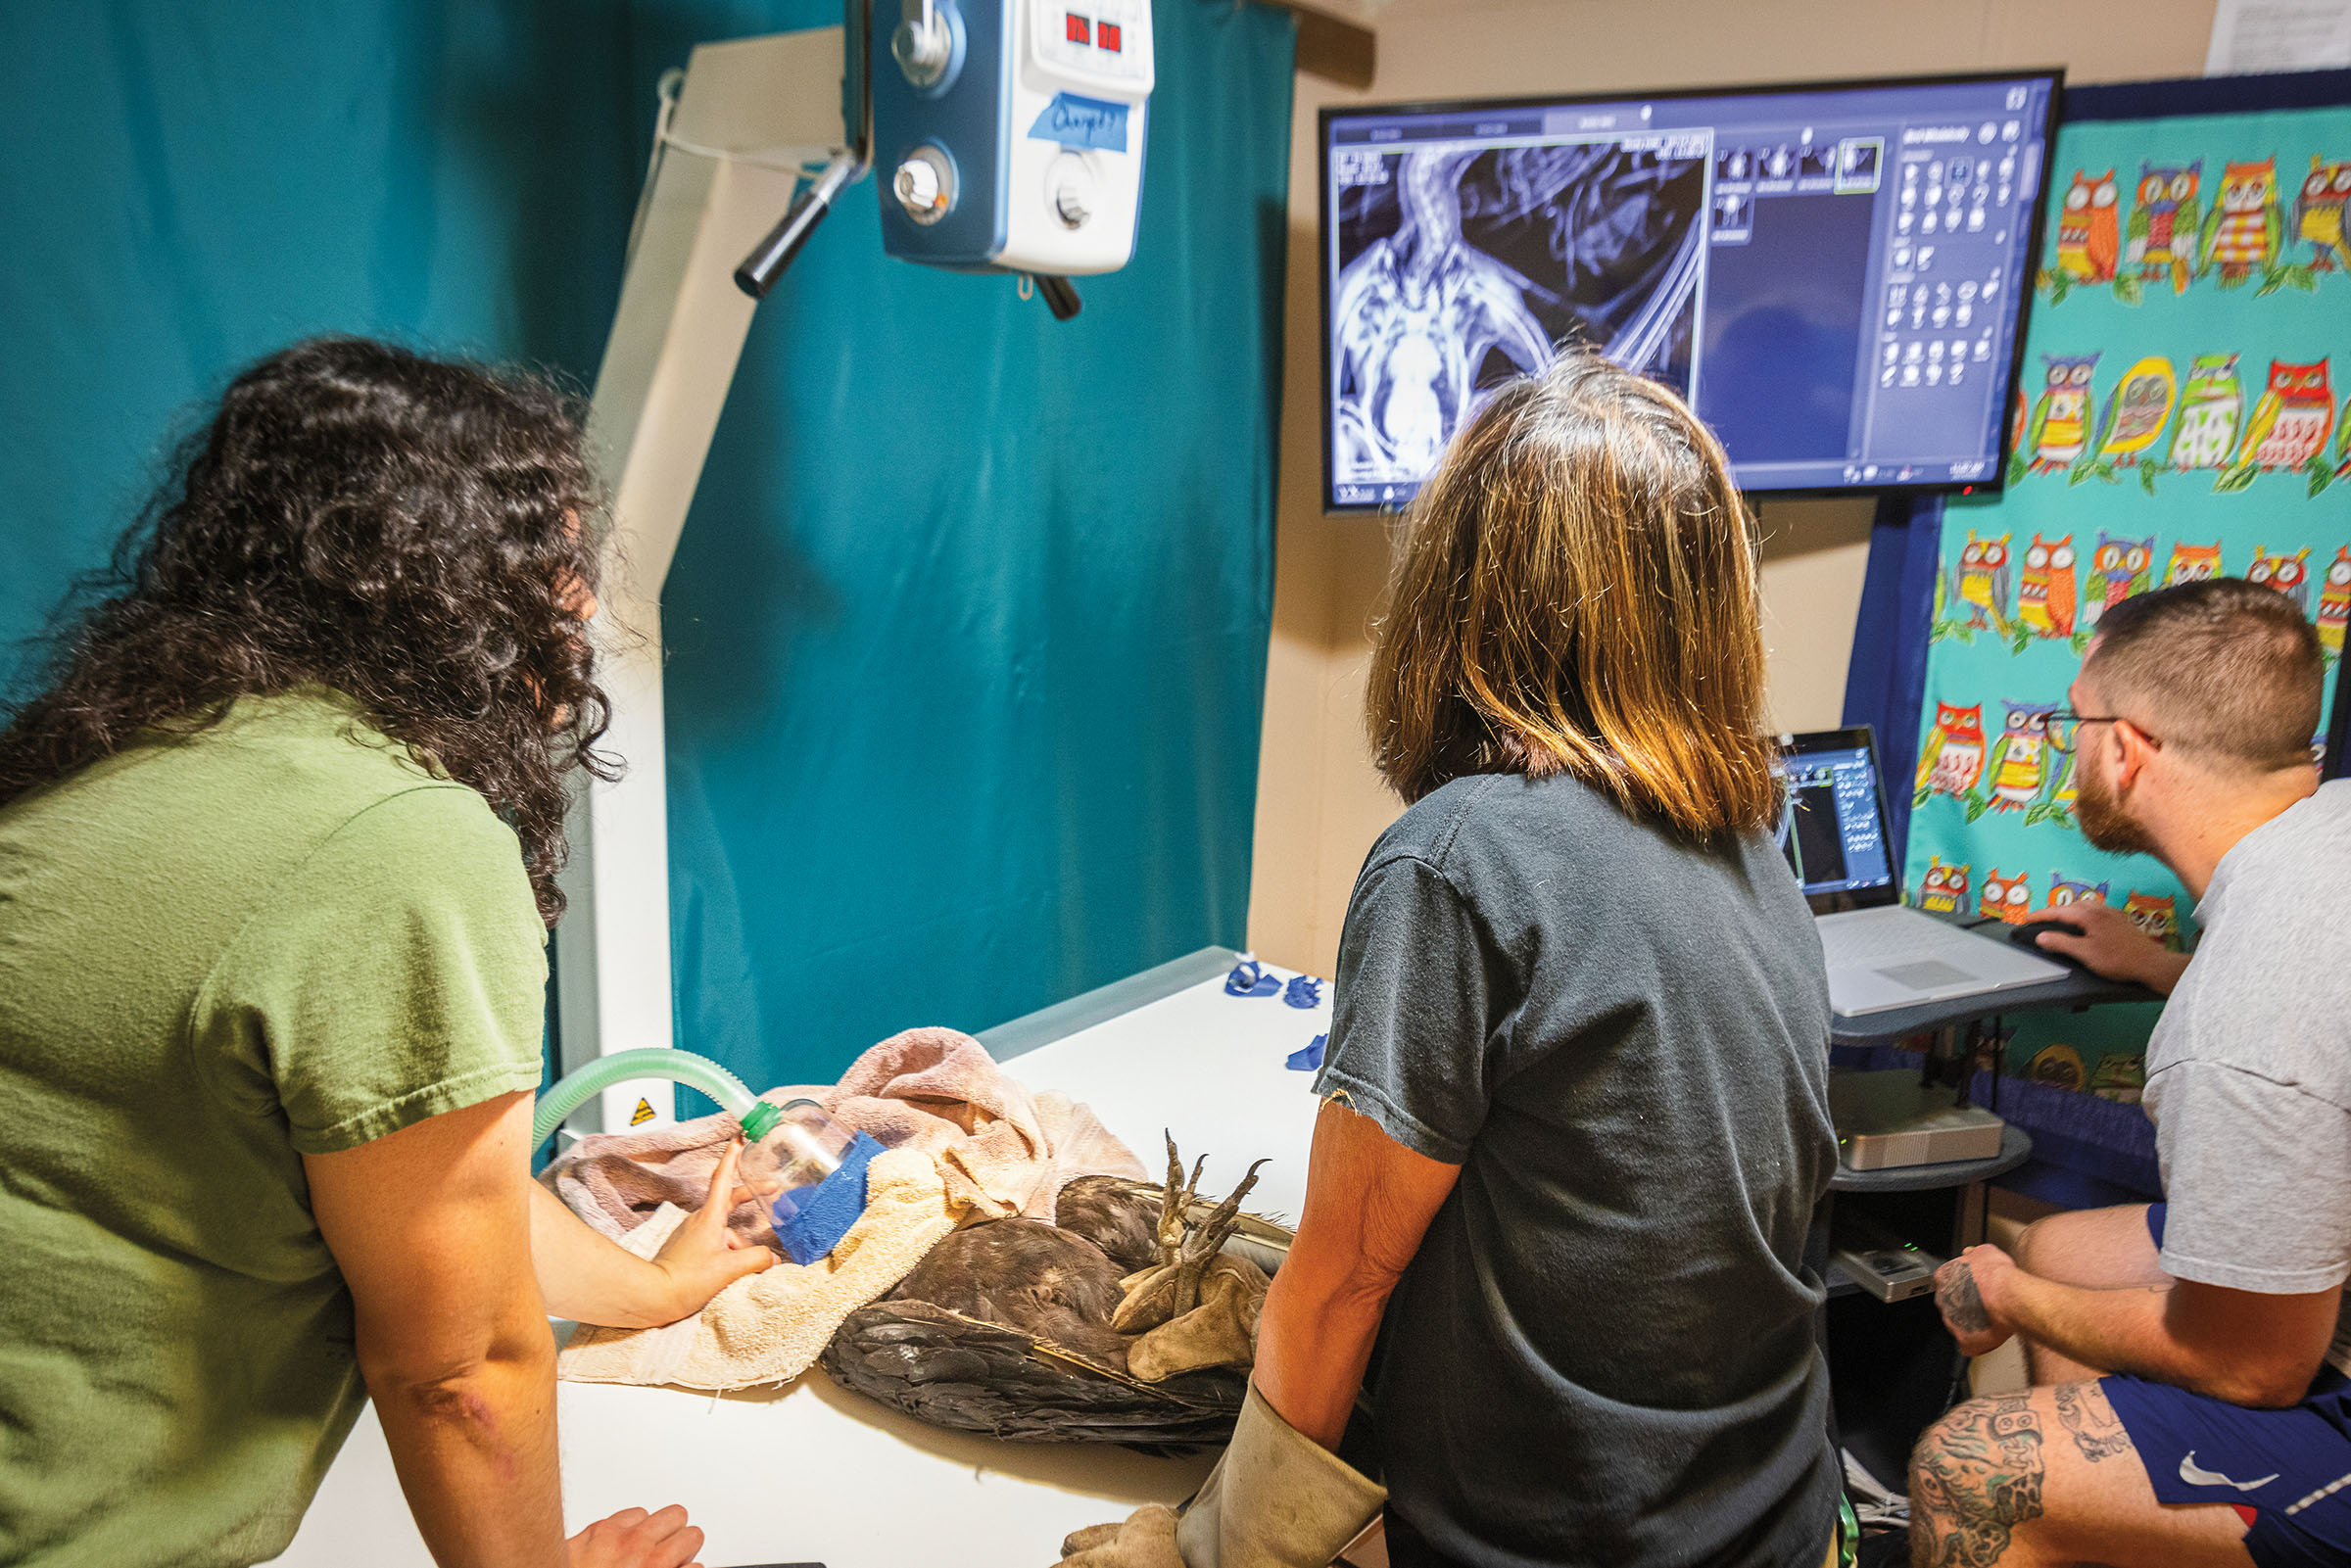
(2040, 422)
(2114, 405)
(1929, 755)
(2257, 428)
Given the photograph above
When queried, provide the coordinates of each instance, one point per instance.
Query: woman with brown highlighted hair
(1576, 1118)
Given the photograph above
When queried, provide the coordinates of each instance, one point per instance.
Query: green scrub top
(278, 936)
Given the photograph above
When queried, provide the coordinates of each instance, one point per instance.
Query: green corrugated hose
(571, 1091)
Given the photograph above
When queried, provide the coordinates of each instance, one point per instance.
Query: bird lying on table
(1132, 1318)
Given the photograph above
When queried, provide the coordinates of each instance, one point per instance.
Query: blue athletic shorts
(2288, 1470)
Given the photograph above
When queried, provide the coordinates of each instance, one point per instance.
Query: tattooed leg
(2083, 1410)
(2052, 1477)
(1976, 1476)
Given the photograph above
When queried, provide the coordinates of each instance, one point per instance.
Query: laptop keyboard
(1850, 942)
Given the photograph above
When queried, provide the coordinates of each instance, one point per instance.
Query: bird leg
(1206, 1242)
(1171, 1205)
(1158, 1295)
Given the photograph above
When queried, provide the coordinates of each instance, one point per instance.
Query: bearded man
(2189, 1402)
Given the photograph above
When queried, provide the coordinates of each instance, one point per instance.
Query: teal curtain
(968, 629)
(190, 186)
(967, 632)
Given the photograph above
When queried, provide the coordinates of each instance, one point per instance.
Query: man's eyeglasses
(2065, 727)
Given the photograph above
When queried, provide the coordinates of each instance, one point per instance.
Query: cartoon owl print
(1952, 758)
(2063, 893)
(2334, 603)
(2020, 755)
(2006, 897)
(2205, 434)
(2060, 427)
(2047, 588)
(2319, 213)
(2243, 234)
(2119, 568)
(1944, 889)
(1982, 581)
(2135, 411)
(2059, 1066)
(2089, 240)
(2159, 918)
(2057, 801)
(2193, 563)
(2288, 574)
(2295, 415)
(2120, 1077)
(2161, 239)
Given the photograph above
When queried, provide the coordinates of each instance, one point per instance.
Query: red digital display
(1078, 28)
(1108, 39)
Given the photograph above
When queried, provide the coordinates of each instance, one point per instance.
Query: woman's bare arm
(431, 1228)
(1368, 1202)
(591, 1279)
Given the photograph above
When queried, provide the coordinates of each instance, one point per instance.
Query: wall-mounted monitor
(1834, 275)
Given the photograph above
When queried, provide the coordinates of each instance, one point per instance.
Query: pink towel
(1000, 1147)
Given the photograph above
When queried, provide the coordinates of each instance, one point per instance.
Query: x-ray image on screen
(1460, 267)
(1831, 274)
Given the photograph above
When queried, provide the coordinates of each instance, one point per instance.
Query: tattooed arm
(2238, 1346)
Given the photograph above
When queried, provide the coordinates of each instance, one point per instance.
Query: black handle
(1061, 296)
(766, 263)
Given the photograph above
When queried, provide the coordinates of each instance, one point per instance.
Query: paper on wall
(2259, 36)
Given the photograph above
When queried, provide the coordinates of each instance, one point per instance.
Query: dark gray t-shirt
(1604, 1350)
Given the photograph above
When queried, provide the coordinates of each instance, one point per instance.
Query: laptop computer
(1880, 953)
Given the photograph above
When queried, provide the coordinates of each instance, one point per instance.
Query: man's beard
(2104, 822)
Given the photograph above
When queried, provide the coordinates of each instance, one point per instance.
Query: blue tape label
(1075, 121)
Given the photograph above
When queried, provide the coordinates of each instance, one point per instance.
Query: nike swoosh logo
(2195, 1475)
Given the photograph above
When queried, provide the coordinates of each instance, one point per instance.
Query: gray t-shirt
(1603, 1352)
(2249, 1069)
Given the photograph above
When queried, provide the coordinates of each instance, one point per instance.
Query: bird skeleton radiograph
(1494, 259)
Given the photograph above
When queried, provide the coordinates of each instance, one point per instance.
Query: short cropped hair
(1575, 591)
(2221, 667)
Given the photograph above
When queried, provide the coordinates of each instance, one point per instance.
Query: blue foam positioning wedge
(1308, 1060)
(831, 1207)
(1248, 978)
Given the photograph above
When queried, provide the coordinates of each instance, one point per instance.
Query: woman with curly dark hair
(278, 845)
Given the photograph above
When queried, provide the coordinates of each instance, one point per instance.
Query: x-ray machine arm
(752, 119)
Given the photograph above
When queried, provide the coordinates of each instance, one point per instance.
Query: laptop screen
(1832, 820)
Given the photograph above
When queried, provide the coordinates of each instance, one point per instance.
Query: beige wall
(1318, 803)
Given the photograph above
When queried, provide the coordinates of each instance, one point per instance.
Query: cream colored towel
(769, 1327)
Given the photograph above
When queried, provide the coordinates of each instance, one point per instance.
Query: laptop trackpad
(1927, 974)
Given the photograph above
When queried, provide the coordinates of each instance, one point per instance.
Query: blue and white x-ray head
(1008, 134)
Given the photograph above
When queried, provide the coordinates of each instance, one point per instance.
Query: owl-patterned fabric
(2176, 418)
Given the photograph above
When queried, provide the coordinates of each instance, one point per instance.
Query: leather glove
(1276, 1500)
(1146, 1540)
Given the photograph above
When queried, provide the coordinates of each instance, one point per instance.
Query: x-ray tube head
(1033, 131)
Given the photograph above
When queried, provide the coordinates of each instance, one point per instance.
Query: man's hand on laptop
(2112, 944)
